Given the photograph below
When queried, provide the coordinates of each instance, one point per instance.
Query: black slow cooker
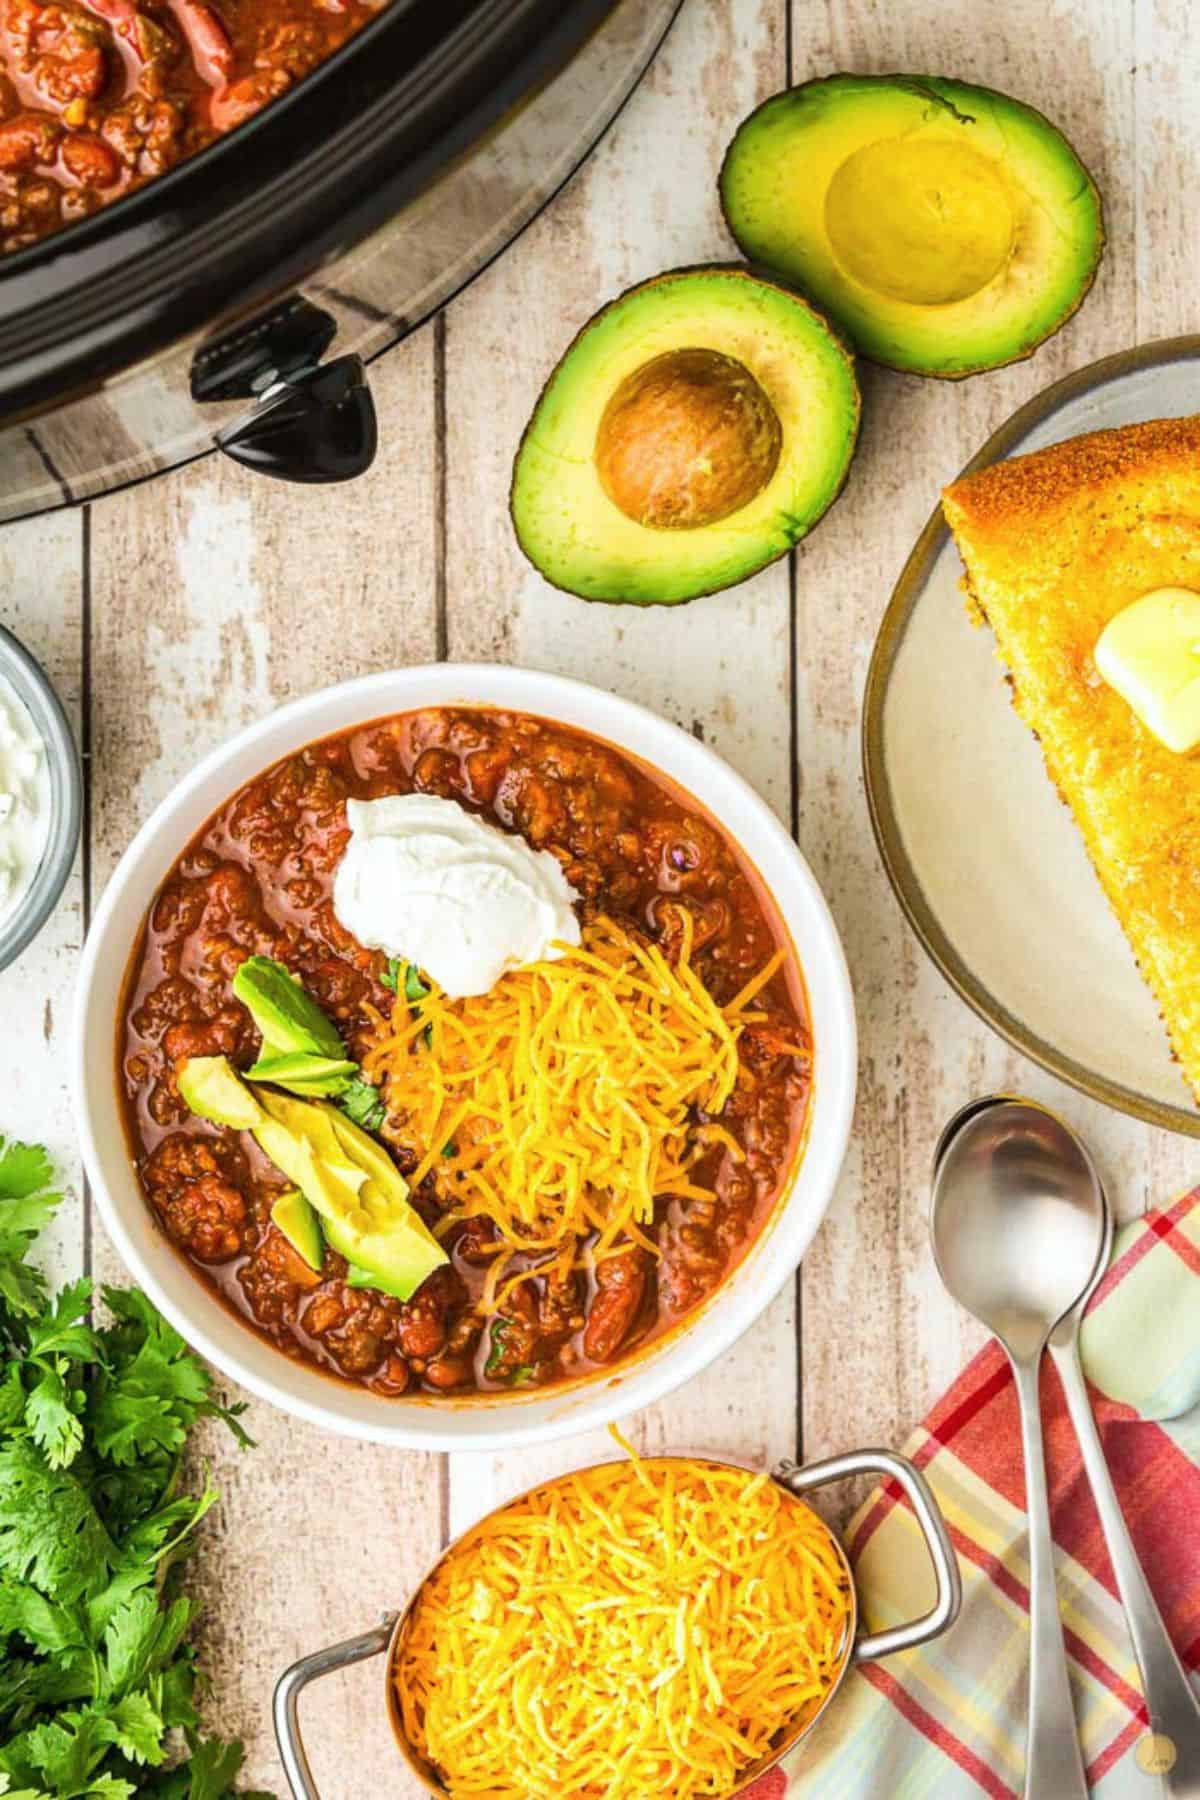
(236, 301)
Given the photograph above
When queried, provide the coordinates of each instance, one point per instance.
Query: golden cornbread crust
(1055, 545)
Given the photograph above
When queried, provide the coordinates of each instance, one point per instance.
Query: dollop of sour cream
(24, 800)
(424, 879)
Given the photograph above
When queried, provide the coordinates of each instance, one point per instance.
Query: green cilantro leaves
(97, 1680)
(359, 1099)
(360, 1102)
(27, 1203)
(404, 975)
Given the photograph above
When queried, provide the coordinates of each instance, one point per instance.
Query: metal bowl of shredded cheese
(660, 1626)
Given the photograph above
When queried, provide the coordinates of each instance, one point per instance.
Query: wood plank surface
(41, 567)
(200, 601)
(213, 598)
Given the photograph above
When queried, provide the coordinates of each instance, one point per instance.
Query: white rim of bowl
(36, 692)
(690, 1348)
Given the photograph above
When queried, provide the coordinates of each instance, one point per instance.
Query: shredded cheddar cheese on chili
(561, 1104)
(644, 1629)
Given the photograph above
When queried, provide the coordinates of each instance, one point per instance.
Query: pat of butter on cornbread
(1056, 545)
(1150, 653)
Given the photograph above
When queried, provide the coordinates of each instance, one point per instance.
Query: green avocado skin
(789, 145)
(568, 527)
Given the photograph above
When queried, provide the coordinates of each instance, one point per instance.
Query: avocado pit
(686, 440)
(921, 219)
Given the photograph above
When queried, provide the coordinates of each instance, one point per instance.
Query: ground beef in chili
(257, 881)
(99, 96)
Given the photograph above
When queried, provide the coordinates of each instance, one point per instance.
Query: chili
(257, 880)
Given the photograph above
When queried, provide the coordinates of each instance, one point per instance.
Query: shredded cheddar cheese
(638, 1630)
(561, 1104)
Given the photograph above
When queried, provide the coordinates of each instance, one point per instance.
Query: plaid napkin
(948, 1721)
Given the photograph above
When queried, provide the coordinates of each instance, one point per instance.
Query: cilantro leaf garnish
(404, 977)
(52, 1414)
(28, 1202)
(408, 976)
(361, 1103)
(360, 1100)
(25, 1169)
(97, 1679)
(495, 1361)
(50, 1531)
(207, 1775)
(149, 1389)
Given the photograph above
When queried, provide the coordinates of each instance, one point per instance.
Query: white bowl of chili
(722, 863)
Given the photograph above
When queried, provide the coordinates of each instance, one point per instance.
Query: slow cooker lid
(253, 214)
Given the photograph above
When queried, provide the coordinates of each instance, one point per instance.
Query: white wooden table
(175, 613)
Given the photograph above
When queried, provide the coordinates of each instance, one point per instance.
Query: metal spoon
(1018, 1226)
(1172, 1748)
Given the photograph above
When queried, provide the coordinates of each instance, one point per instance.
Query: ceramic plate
(983, 855)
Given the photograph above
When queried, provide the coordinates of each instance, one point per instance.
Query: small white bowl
(36, 693)
(300, 1388)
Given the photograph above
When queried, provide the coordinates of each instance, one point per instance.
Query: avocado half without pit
(695, 430)
(947, 228)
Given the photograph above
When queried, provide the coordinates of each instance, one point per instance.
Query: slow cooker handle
(895, 1468)
(292, 1683)
(317, 425)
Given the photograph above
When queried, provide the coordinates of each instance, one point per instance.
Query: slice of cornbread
(1055, 544)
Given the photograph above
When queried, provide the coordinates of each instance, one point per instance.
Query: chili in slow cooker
(258, 881)
(99, 96)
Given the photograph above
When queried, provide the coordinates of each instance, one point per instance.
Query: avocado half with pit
(695, 430)
(947, 228)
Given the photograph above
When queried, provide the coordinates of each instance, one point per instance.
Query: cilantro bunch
(97, 1681)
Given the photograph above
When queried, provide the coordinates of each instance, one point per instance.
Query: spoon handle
(1053, 1764)
(1170, 1701)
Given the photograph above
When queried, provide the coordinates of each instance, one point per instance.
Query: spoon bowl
(1019, 1219)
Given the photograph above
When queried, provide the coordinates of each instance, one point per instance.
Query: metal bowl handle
(292, 1683)
(933, 1528)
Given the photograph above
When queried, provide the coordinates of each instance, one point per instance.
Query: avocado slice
(213, 1089)
(297, 1136)
(947, 228)
(393, 1262)
(305, 1073)
(696, 429)
(299, 1224)
(370, 1155)
(343, 1175)
(289, 1018)
(391, 1266)
(373, 1226)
